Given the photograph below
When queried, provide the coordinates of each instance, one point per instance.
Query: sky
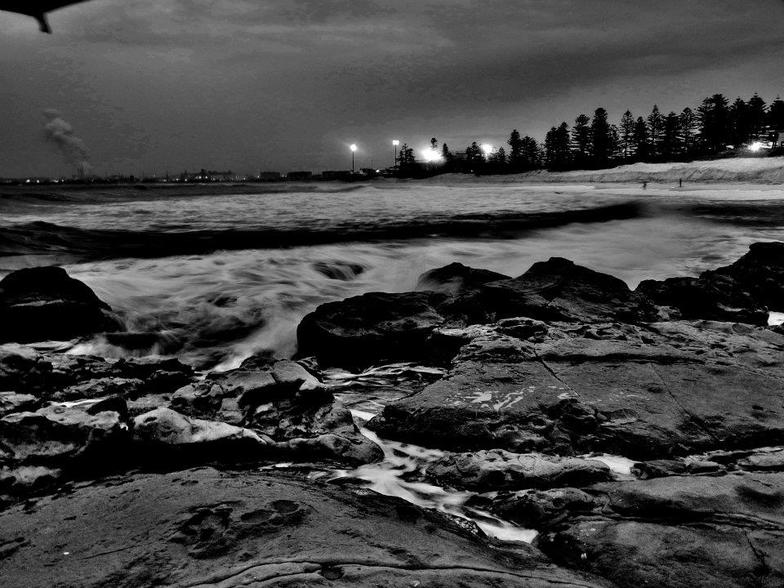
(151, 86)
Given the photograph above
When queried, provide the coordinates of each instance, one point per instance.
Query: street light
(395, 144)
(353, 148)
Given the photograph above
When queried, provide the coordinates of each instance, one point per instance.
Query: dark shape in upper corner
(37, 9)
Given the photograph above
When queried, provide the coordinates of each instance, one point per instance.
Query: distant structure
(299, 176)
(270, 176)
(331, 175)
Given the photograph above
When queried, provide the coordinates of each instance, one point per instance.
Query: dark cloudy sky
(287, 84)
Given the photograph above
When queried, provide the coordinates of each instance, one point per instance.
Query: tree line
(716, 128)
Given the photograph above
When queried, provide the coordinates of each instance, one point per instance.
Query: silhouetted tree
(626, 138)
(557, 148)
(740, 122)
(714, 118)
(601, 148)
(474, 158)
(757, 118)
(445, 153)
(516, 159)
(671, 146)
(581, 141)
(641, 145)
(531, 154)
(434, 144)
(688, 126)
(655, 132)
(776, 115)
(406, 159)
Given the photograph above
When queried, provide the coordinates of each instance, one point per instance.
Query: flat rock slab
(690, 531)
(640, 391)
(205, 528)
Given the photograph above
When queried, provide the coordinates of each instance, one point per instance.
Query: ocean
(218, 277)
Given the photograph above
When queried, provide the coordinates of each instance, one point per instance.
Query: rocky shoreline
(144, 472)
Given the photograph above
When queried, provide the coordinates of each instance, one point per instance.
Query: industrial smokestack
(71, 147)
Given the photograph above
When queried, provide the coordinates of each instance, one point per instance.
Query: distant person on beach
(645, 185)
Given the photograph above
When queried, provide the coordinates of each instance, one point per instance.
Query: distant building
(299, 176)
(336, 175)
(270, 176)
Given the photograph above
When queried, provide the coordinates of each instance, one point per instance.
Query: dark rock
(100, 388)
(203, 527)
(761, 273)
(44, 303)
(711, 296)
(743, 291)
(21, 481)
(501, 470)
(642, 392)
(659, 468)
(694, 531)
(23, 370)
(64, 436)
(560, 290)
(366, 329)
(456, 278)
(164, 435)
(541, 509)
(13, 402)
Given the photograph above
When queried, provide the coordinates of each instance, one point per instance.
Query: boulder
(45, 303)
(203, 527)
(743, 291)
(456, 278)
(560, 290)
(64, 436)
(711, 296)
(165, 435)
(540, 509)
(761, 273)
(497, 469)
(370, 328)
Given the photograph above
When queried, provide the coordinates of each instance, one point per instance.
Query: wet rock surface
(203, 527)
(645, 392)
(520, 390)
(678, 531)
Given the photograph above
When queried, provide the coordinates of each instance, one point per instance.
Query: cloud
(235, 76)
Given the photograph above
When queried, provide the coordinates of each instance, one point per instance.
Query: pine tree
(671, 145)
(740, 123)
(714, 117)
(641, 144)
(581, 141)
(601, 149)
(626, 138)
(688, 124)
(531, 153)
(776, 115)
(516, 159)
(655, 132)
(557, 148)
(758, 118)
(445, 153)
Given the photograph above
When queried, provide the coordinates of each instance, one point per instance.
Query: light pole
(395, 144)
(353, 148)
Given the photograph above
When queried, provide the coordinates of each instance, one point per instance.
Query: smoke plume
(59, 132)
